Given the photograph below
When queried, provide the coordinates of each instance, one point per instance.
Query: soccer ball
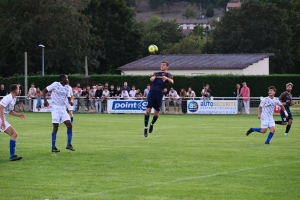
(153, 49)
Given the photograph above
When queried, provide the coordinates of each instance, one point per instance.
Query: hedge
(221, 85)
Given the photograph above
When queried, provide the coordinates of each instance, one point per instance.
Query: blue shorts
(154, 99)
(284, 118)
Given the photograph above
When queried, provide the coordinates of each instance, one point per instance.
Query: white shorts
(267, 123)
(70, 107)
(6, 125)
(59, 113)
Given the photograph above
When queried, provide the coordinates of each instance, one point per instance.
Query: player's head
(63, 79)
(164, 66)
(272, 91)
(14, 88)
(289, 87)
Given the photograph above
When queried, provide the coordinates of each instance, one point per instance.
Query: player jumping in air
(286, 100)
(265, 114)
(7, 105)
(60, 92)
(154, 98)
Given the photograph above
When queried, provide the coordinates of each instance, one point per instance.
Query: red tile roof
(192, 21)
(197, 61)
(234, 5)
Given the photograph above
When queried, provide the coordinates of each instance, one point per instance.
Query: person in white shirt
(190, 93)
(60, 92)
(146, 91)
(30, 95)
(69, 106)
(265, 114)
(105, 96)
(7, 105)
(124, 94)
(176, 99)
(132, 92)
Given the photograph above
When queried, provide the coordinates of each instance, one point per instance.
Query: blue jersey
(286, 98)
(158, 84)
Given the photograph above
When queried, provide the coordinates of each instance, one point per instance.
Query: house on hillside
(232, 5)
(201, 64)
(189, 24)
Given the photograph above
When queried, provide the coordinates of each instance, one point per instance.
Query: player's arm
(13, 113)
(259, 112)
(2, 117)
(153, 77)
(283, 109)
(281, 98)
(45, 91)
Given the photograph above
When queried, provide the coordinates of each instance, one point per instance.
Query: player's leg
(55, 122)
(272, 132)
(156, 105)
(284, 119)
(290, 122)
(71, 108)
(150, 102)
(263, 129)
(66, 119)
(13, 141)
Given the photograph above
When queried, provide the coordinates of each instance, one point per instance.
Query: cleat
(267, 142)
(55, 150)
(286, 134)
(70, 147)
(15, 158)
(146, 132)
(249, 131)
(151, 128)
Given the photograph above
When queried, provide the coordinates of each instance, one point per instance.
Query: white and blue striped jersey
(268, 106)
(8, 102)
(59, 93)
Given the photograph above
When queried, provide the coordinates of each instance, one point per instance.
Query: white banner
(212, 107)
(43, 108)
(127, 106)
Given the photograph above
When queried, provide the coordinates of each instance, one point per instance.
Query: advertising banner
(295, 109)
(212, 107)
(126, 106)
(43, 108)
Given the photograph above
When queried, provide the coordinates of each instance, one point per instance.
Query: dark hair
(62, 77)
(13, 87)
(32, 83)
(165, 62)
(272, 88)
(291, 84)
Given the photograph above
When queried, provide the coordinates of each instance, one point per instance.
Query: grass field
(186, 157)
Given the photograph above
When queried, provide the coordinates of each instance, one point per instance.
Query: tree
(210, 11)
(189, 12)
(114, 23)
(155, 4)
(255, 28)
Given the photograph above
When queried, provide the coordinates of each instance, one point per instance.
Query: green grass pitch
(187, 157)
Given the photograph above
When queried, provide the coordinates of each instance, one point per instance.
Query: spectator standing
(206, 93)
(237, 93)
(124, 94)
(112, 92)
(132, 92)
(105, 96)
(126, 87)
(38, 96)
(245, 93)
(183, 101)
(146, 91)
(190, 94)
(84, 97)
(166, 100)
(21, 99)
(92, 97)
(3, 92)
(176, 99)
(118, 92)
(98, 99)
(31, 95)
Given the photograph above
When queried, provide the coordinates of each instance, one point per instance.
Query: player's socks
(269, 138)
(12, 147)
(146, 120)
(287, 129)
(278, 122)
(154, 119)
(70, 134)
(53, 139)
(256, 129)
(72, 120)
(151, 124)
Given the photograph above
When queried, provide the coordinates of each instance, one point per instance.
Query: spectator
(206, 93)
(31, 95)
(112, 92)
(21, 99)
(191, 94)
(176, 99)
(3, 92)
(183, 101)
(166, 99)
(98, 99)
(237, 93)
(124, 94)
(92, 98)
(118, 92)
(106, 85)
(77, 87)
(245, 93)
(138, 95)
(202, 91)
(126, 87)
(84, 97)
(146, 91)
(38, 96)
(105, 96)
(132, 92)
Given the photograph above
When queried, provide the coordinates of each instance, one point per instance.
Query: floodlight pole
(43, 60)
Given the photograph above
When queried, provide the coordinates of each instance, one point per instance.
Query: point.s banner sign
(126, 106)
(212, 107)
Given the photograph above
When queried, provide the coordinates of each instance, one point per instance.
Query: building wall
(259, 68)
(192, 26)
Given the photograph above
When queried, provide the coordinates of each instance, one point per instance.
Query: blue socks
(53, 139)
(70, 134)
(269, 137)
(256, 129)
(146, 120)
(12, 147)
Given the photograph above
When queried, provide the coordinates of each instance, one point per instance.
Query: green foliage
(221, 85)
(255, 28)
(190, 12)
(210, 11)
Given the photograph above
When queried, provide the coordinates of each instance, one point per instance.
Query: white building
(189, 24)
(201, 64)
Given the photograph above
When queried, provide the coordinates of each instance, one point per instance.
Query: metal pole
(86, 67)
(26, 78)
(43, 61)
